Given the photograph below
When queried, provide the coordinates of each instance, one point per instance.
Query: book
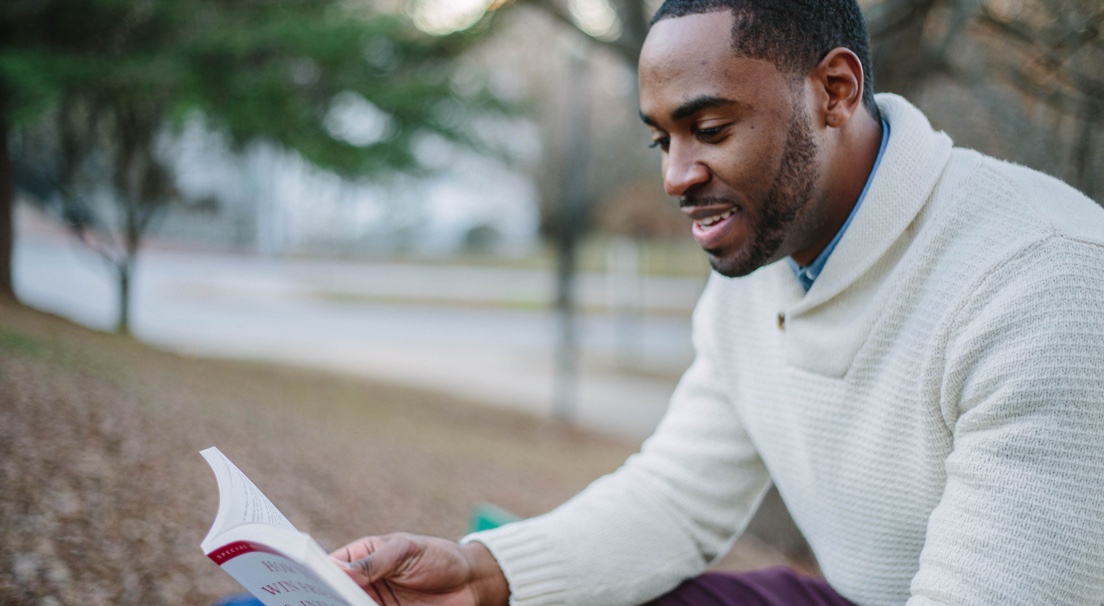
(254, 543)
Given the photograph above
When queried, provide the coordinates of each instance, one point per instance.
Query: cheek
(750, 163)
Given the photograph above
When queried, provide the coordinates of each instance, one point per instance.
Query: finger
(354, 560)
(356, 550)
(385, 556)
(340, 558)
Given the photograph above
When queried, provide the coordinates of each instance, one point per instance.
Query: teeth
(711, 221)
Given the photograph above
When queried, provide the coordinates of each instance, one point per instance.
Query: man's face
(738, 148)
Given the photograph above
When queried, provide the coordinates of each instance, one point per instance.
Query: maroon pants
(768, 587)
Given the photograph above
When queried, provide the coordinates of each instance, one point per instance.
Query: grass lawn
(105, 498)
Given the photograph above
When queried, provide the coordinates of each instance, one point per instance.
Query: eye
(662, 143)
(709, 135)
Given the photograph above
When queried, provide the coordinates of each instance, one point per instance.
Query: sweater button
(781, 321)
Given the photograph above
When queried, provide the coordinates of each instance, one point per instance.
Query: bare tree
(632, 18)
(1033, 69)
(1020, 79)
(585, 159)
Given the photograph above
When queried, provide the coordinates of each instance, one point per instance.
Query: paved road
(469, 331)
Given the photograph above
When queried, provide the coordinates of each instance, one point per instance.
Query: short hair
(793, 34)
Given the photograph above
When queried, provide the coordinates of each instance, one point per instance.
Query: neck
(855, 149)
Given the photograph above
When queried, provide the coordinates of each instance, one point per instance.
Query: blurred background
(440, 214)
(430, 190)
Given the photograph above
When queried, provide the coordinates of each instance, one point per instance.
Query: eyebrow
(691, 107)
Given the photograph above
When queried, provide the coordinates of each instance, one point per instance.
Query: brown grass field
(104, 498)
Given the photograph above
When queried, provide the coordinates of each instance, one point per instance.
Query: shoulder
(1010, 189)
(987, 195)
(991, 214)
(1029, 312)
(1015, 235)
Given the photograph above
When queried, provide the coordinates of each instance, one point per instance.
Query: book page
(240, 501)
(258, 546)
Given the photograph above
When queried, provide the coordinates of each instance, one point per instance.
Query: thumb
(373, 558)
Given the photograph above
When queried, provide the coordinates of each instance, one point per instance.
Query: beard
(783, 206)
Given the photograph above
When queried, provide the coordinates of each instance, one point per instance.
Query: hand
(410, 570)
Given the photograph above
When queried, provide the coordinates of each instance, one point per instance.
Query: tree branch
(629, 12)
(887, 18)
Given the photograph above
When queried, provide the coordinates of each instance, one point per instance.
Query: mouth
(708, 222)
(713, 223)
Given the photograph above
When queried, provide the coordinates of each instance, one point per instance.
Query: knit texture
(932, 410)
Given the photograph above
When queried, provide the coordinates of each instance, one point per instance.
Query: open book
(253, 542)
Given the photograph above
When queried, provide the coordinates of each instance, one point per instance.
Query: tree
(1022, 79)
(625, 33)
(6, 194)
(105, 80)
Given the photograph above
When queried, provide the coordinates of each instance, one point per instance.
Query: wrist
(488, 583)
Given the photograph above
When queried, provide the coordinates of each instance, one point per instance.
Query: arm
(630, 536)
(404, 569)
(662, 517)
(1021, 519)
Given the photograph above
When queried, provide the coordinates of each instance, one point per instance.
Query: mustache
(692, 201)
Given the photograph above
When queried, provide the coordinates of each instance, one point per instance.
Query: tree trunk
(133, 228)
(1083, 176)
(903, 57)
(7, 206)
(123, 326)
(572, 227)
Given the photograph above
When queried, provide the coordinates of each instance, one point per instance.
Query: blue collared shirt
(808, 274)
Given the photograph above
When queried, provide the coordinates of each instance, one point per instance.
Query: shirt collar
(808, 274)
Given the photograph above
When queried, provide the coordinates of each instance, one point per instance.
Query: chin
(732, 268)
(745, 260)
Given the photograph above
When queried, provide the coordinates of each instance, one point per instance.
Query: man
(907, 339)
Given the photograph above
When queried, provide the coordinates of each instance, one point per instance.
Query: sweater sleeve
(662, 517)
(1021, 518)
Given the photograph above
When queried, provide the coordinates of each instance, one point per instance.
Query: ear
(839, 80)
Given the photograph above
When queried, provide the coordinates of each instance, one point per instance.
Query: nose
(682, 170)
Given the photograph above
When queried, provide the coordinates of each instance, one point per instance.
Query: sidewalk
(482, 333)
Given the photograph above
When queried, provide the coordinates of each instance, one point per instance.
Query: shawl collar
(914, 160)
(827, 326)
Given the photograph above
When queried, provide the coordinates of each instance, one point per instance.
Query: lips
(713, 223)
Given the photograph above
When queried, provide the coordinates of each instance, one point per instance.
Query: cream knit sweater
(932, 410)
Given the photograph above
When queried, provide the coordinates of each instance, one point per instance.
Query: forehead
(692, 57)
